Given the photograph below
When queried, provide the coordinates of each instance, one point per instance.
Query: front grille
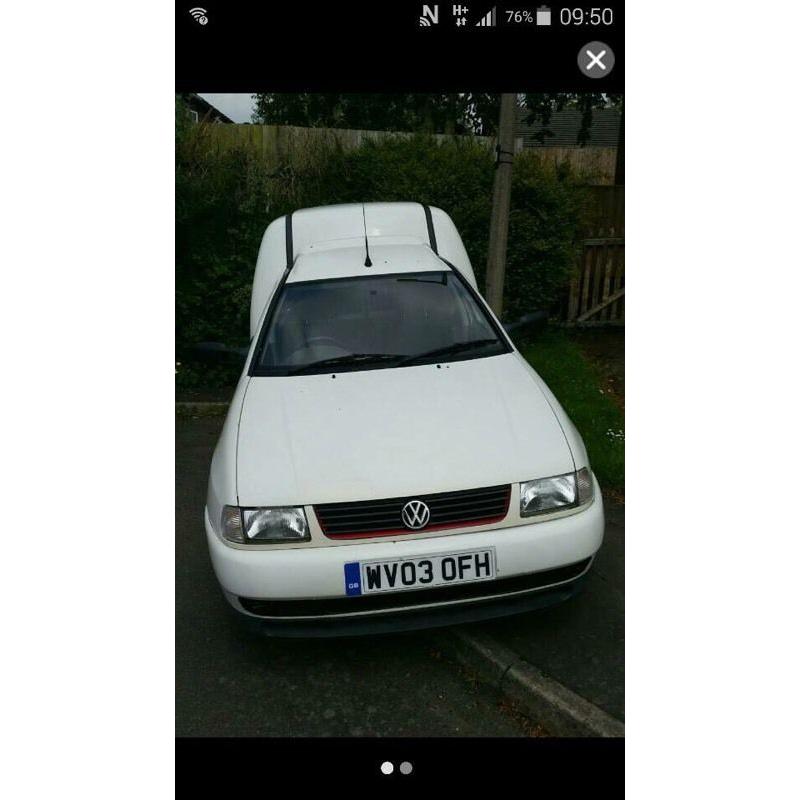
(384, 517)
(415, 597)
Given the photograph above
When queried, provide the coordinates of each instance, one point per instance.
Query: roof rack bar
(431, 231)
(289, 243)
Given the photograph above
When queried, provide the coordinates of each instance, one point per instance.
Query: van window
(374, 322)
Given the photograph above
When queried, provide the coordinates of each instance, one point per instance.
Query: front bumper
(311, 576)
(410, 619)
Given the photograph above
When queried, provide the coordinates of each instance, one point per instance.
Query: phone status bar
(468, 15)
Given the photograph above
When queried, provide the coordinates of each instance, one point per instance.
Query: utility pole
(501, 205)
(619, 171)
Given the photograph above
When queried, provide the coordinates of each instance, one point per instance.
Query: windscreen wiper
(344, 361)
(450, 349)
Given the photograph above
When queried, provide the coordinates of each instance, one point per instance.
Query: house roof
(565, 125)
(205, 109)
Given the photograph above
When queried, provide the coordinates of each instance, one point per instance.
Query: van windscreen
(374, 322)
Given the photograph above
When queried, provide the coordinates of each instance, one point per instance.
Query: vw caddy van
(389, 460)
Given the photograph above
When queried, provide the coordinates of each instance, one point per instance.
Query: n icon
(429, 17)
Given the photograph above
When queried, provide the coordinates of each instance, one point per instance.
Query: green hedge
(225, 199)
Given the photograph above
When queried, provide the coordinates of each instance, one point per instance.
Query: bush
(226, 198)
(547, 211)
(222, 207)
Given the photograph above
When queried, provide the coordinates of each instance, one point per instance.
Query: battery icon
(543, 15)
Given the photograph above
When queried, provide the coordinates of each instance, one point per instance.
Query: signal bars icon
(488, 21)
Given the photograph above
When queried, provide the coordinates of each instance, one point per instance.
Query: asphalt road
(581, 643)
(230, 684)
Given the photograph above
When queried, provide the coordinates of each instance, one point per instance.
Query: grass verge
(577, 384)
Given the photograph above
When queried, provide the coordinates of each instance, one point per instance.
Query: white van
(389, 459)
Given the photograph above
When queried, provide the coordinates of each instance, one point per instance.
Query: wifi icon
(199, 15)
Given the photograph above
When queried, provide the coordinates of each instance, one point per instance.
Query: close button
(595, 60)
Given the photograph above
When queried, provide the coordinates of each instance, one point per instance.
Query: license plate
(399, 574)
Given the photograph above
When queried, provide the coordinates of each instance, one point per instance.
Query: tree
(541, 108)
(463, 113)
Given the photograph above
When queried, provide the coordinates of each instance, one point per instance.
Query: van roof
(416, 237)
(348, 261)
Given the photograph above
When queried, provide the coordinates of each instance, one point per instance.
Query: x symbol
(595, 59)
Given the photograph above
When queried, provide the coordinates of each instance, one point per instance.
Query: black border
(518, 767)
(370, 46)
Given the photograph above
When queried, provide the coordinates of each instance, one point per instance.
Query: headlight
(264, 525)
(559, 492)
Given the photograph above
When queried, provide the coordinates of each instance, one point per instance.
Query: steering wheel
(323, 340)
(320, 340)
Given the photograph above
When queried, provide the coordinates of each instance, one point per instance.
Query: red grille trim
(494, 501)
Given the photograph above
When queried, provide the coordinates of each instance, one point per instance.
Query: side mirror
(528, 324)
(218, 353)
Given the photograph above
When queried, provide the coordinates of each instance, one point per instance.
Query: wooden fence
(597, 291)
(279, 143)
(598, 164)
